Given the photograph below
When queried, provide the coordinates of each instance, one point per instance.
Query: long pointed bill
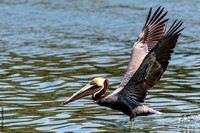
(85, 91)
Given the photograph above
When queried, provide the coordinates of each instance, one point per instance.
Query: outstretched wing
(152, 32)
(153, 66)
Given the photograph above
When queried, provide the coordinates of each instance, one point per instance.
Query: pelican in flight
(149, 59)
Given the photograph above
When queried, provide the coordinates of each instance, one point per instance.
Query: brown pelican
(149, 59)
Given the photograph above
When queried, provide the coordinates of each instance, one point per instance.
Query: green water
(50, 49)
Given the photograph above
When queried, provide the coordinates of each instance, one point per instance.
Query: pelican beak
(85, 91)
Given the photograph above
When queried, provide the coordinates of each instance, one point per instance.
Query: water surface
(50, 49)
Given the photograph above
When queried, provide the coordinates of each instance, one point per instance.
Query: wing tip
(156, 17)
(175, 28)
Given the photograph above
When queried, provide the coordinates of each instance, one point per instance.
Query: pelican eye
(93, 83)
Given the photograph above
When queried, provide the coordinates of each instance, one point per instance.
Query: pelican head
(96, 88)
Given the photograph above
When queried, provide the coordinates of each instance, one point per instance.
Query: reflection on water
(50, 49)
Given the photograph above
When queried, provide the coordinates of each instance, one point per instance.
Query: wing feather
(152, 32)
(153, 66)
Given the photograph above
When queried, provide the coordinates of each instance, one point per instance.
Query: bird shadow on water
(184, 123)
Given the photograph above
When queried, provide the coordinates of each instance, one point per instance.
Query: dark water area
(50, 49)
